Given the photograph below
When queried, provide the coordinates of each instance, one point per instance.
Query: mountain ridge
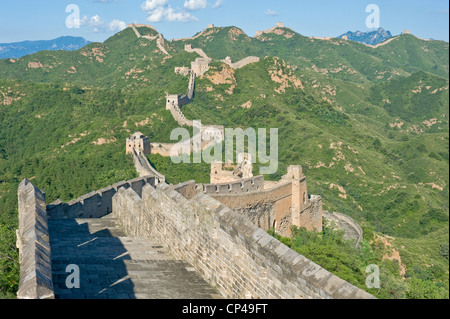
(370, 37)
(16, 50)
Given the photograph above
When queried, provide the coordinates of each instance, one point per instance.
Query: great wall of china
(159, 38)
(212, 237)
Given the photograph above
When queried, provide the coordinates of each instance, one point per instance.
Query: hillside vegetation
(368, 125)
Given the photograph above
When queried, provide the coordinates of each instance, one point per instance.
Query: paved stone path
(113, 266)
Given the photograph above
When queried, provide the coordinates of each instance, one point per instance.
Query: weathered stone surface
(33, 243)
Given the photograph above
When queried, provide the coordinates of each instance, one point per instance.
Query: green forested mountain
(369, 126)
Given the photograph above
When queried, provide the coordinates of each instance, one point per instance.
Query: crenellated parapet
(97, 203)
(270, 205)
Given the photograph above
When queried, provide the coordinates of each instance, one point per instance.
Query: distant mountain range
(371, 38)
(19, 49)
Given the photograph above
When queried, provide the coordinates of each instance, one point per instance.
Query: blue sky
(99, 19)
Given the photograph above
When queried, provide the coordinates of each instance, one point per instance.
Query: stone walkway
(113, 266)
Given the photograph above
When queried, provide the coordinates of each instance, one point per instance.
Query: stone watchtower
(172, 101)
(139, 143)
(306, 212)
(200, 66)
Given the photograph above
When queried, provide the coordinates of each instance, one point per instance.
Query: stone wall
(194, 144)
(226, 248)
(232, 173)
(133, 26)
(279, 25)
(343, 222)
(159, 38)
(191, 86)
(188, 48)
(265, 208)
(173, 104)
(184, 71)
(97, 203)
(281, 206)
(145, 169)
(200, 66)
(160, 44)
(242, 63)
(138, 143)
(34, 244)
(187, 189)
(239, 187)
(311, 216)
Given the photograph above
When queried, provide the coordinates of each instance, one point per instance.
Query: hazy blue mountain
(19, 49)
(372, 37)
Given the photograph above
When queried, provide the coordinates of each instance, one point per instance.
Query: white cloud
(159, 10)
(95, 21)
(156, 15)
(117, 25)
(104, 1)
(179, 16)
(271, 13)
(96, 24)
(150, 5)
(218, 4)
(195, 4)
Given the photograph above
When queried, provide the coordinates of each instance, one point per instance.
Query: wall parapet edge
(33, 243)
(252, 184)
(98, 203)
(345, 219)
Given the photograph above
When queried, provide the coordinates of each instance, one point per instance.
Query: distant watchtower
(139, 143)
(200, 66)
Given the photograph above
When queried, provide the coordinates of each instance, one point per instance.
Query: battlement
(97, 203)
(247, 185)
(279, 207)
